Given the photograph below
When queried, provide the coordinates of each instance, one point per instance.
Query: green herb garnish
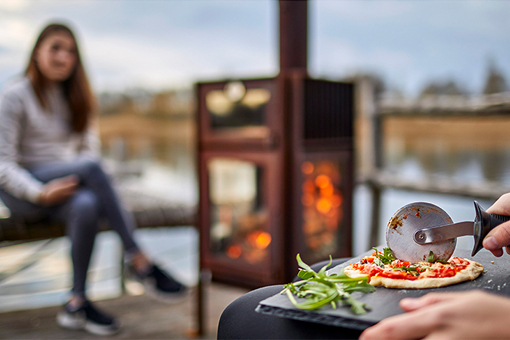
(386, 257)
(410, 270)
(431, 257)
(320, 289)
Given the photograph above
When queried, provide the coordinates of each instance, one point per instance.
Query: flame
(259, 239)
(263, 240)
(234, 251)
(308, 187)
(323, 205)
(307, 168)
(322, 181)
(336, 201)
(307, 200)
(327, 191)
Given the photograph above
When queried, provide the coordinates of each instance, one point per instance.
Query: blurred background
(144, 57)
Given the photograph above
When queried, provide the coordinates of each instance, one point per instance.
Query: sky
(172, 44)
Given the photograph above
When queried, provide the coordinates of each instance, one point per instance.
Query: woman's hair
(76, 88)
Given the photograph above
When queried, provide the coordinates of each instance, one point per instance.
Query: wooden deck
(141, 317)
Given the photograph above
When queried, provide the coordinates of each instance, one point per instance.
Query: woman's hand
(58, 190)
(448, 316)
(499, 237)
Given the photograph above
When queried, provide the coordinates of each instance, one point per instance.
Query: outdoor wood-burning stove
(275, 165)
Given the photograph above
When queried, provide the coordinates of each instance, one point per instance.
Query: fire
(234, 251)
(263, 240)
(336, 201)
(307, 168)
(322, 204)
(322, 181)
(327, 191)
(259, 239)
(308, 187)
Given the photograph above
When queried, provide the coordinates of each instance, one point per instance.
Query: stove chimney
(293, 35)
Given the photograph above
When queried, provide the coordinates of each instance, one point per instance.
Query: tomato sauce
(436, 270)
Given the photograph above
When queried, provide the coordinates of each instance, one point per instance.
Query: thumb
(410, 304)
(498, 237)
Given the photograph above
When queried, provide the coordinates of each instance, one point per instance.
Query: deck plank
(141, 317)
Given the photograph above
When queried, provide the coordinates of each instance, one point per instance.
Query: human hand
(499, 237)
(58, 190)
(464, 315)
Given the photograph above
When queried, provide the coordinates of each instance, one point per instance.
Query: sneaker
(89, 318)
(160, 285)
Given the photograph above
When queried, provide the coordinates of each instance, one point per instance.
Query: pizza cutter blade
(408, 220)
(479, 228)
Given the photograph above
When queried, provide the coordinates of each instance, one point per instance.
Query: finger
(497, 252)
(498, 237)
(410, 304)
(65, 184)
(501, 206)
(70, 186)
(67, 191)
(414, 325)
(441, 335)
(507, 250)
(72, 179)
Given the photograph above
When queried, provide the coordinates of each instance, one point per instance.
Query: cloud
(13, 5)
(134, 60)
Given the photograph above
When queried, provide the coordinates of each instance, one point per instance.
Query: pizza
(384, 270)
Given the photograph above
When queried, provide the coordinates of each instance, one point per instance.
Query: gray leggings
(94, 200)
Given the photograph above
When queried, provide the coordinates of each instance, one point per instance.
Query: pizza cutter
(419, 228)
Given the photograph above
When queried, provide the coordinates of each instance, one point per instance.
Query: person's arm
(466, 315)
(499, 237)
(13, 178)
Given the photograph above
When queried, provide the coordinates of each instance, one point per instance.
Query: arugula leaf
(431, 257)
(410, 270)
(320, 289)
(386, 257)
(378, 262)
(303, 265)
(407, 269)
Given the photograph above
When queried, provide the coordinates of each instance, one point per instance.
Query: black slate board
(384, 301)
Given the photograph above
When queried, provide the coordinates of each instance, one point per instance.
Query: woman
(49, 169)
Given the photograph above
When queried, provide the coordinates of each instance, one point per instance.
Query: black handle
(496, 220)
(484, 222)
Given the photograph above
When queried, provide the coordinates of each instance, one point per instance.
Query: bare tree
(495, 82)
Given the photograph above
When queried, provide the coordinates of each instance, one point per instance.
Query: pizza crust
(471, 272)
(353, 273)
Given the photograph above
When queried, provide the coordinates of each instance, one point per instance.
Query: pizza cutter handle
(484, 222)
